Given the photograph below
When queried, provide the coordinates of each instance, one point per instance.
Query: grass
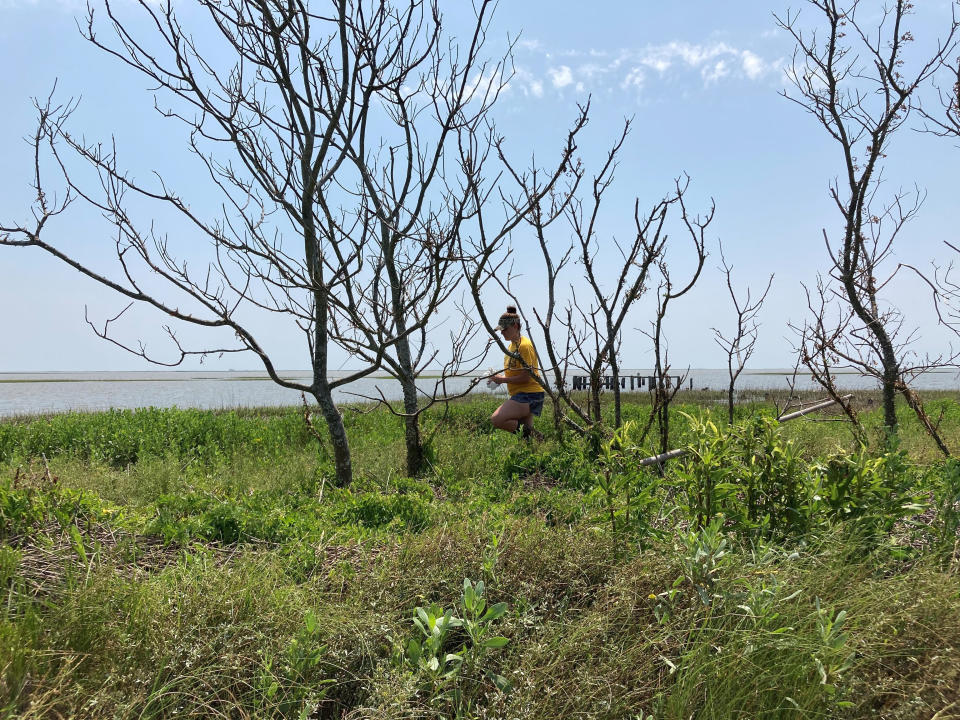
(175, 563)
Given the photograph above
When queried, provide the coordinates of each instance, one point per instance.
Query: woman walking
(519, 375)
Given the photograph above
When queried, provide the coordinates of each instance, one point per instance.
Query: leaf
(497, 641)
(414, 651)
(820, 669)
(310, 621)
(495, 611)
(78, 544)
(469, 595)
(672, 666)
(420, 626)
(501, 683)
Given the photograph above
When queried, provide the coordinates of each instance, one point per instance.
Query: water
(35, 393)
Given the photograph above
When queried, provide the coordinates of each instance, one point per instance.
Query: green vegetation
(174, 563)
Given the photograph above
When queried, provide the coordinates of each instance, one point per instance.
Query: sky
(701, 81)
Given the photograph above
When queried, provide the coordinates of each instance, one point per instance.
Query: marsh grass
(163, 564)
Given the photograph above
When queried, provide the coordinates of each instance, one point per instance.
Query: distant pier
(636, 382)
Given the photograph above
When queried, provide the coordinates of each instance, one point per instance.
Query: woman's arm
(522, 376)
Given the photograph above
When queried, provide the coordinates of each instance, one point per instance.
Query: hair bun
(511, 309)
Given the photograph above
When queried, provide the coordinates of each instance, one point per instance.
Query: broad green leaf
(497, 641)
(501, 683)
(414, 651)
(494, 612)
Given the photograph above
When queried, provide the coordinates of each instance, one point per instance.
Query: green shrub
(267, 515)
(24, 510)
(375, 510)
(873, 491)
(566, 465)
(122, 437)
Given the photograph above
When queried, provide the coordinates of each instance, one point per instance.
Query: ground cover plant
(180, 563)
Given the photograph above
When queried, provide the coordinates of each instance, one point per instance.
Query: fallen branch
(680, 452)
(816, 406)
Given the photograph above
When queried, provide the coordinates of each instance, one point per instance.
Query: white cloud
(753, 65)
(483, 87)
(526, 82)
(560, 77)
(660, 64)
(597, 70)
(634, 79)
(696, 55)
(714, 61)
(591, 71)
(714, 73)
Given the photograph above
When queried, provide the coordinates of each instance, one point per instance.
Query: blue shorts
(533, 399)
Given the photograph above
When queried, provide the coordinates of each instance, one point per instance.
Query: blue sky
(701, 81)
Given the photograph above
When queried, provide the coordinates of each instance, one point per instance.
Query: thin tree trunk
(889, 400)
(664, 424)
(338, 434)
(595, 394)
(615, 372)
(322, 391)
(414, 443)
(730, 402)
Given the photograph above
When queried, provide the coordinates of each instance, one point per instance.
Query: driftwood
(680, 452)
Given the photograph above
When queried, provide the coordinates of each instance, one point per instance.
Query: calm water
(33, 393)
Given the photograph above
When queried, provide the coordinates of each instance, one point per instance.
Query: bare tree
(740, 345)
(947, 122)
(852, 76)
(299, 115)
(609, 307)
(539, 197)
(667, 292)
(580, 334)
(410, 199)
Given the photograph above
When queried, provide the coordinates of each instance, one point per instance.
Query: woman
(519, 374)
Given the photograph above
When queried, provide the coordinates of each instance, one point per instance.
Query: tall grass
(164, 564)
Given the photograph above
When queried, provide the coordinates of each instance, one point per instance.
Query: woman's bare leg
(511, 414)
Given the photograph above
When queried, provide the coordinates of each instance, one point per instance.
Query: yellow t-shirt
(513, 366)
